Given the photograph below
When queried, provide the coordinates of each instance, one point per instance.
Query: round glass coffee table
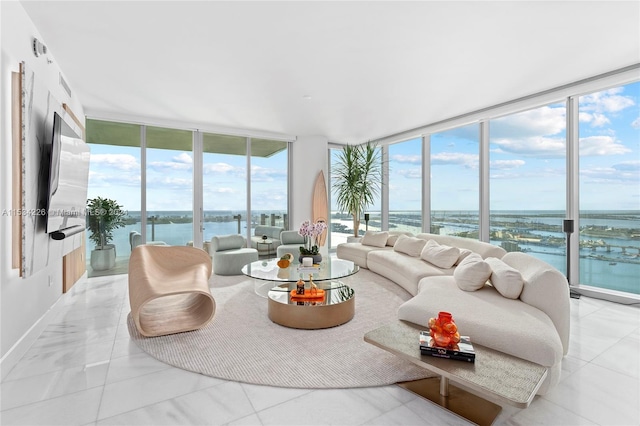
(336, 307)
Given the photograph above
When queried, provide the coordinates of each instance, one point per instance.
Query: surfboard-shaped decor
(320, 208)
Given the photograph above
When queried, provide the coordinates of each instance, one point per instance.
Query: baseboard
(17, 351)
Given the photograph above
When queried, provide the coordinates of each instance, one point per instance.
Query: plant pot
(102, 260)
(317, 258)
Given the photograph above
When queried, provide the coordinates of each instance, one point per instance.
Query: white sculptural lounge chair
(169, 290)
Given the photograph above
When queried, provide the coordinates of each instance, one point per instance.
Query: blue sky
(527, 166)
(527, 159)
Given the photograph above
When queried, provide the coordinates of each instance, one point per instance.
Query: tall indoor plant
(103, 216)
(357, 179)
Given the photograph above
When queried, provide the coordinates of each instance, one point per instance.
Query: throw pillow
(440, 255)
(472, 273)
(375, 239)
(409, 245)
(393, 237)
(463, 253)
(507, 280)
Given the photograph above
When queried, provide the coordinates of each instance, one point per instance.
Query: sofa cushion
(409, 245)
(357, 253)
(483, 249)
(472, 273)
(291, 237)
(507, 325)
(404, 270)
(393, 237)
(440, 255)
(375, 239)
(507, 280)
(463, 254)
(226, 242)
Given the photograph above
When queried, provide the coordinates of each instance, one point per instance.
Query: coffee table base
(458, 401)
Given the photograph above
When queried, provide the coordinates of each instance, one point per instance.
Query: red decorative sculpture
(444, 331)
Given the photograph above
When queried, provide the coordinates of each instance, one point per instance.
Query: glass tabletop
(329, 269)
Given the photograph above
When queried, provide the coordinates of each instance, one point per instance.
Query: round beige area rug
(243, 345)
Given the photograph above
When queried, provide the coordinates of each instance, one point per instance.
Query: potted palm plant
(103, 216)
(357, 178)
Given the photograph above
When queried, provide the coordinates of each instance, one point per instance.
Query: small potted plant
(103, 216)
(311, 233)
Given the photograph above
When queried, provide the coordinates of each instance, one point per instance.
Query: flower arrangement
(311, 233)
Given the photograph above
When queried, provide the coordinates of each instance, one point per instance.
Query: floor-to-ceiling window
(224, 185)
(169, 185)
(405, 186)
(269, 192)
(115, 174)
(528, 182)
(609, 180)
(454, 181)
(185, 172)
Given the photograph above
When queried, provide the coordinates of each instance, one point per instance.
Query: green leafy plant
(357, 179)
(103, 216)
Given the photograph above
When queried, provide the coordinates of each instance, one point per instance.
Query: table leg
(439, 391)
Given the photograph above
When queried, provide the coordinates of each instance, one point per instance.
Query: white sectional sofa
(511, 302)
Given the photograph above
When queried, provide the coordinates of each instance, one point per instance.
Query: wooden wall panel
(16, 169)
(73, 266)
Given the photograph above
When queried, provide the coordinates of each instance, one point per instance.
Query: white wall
(23, 302)
(310, 155)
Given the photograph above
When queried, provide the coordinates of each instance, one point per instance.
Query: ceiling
(349, 71)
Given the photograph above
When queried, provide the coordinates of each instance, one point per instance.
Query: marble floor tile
(262, 397)
(600, 395)
(20, 392)
(622, 357)
(36, 362)
(250, 420)
(544, 412)
(128, 367)
(131, 394)
(337, 406)
(77, 408)
(216, 405)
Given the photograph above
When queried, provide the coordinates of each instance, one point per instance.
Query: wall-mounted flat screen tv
(68, 179)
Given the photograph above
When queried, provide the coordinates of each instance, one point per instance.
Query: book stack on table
(462, 351)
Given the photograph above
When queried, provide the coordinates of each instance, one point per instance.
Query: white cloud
(183, 158)
(413, 173)
(411, 159)
(506, 164)
(116, 161)
(543, 121)
(625, 173)
(595, 119)
(538, 147)
(607, 101)
(220, 168)
(163, 166)
(636, 123)
(601, 145)
(470, 161)
(264, 174)
(221, 190)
